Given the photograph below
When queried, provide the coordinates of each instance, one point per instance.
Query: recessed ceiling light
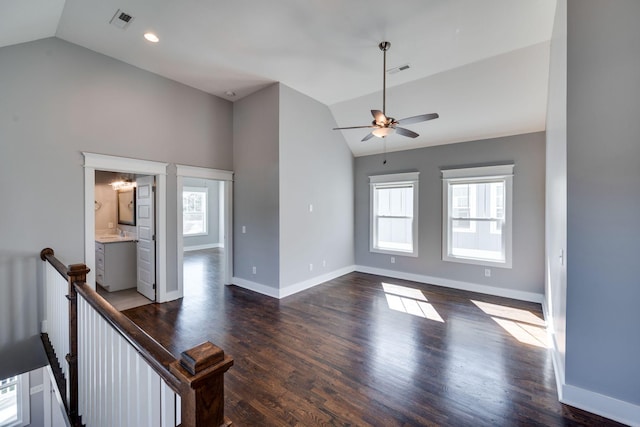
(151, 37)
(230, 93)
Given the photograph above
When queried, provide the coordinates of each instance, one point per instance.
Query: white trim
(93, 162)
(556, 356)
(478, 172)
(478, 175)
(315, 281)
(201, 247)
(600, 404)
(205, 173)
(454, 284)
(255, 287)
(394, 178)
(293, 288)
(124, 164)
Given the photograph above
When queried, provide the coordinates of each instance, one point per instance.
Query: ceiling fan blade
(418, 119)
(379, 116)
(406, 132)
(366, 138)
(355, 127)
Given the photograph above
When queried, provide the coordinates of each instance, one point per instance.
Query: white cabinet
(116, 265)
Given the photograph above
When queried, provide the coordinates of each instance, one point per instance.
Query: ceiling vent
(121, 20)
(396, 70)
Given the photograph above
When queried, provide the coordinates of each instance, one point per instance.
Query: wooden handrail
(197, 377)
(47, 254)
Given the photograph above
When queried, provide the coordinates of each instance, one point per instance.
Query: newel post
(77, 273)
(201, 374)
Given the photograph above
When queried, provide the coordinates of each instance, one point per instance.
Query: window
(194, 211)
(477, 215)
(14, 401)
(394, 214)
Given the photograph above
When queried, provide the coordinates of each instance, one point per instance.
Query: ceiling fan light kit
(382, 124)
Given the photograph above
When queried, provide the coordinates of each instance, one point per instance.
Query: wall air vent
(121, 20)
(395, 70)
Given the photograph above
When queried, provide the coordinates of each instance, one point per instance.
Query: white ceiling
(482, 65)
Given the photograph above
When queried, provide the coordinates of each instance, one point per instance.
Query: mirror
(127, 207)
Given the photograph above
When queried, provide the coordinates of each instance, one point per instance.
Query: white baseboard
(291, 289)
(556, 356)
(201, 247)
(455, 284)
(314, 281)
(171, 296)
(255, 287)
(617, 410)
(614, 409)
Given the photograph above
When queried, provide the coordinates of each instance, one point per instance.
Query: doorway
(123, 165)
(124, 230)
(204, 226)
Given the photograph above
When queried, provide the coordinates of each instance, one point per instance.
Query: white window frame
(475, 175)
(390, 181)
(23, 402)
(204, 190)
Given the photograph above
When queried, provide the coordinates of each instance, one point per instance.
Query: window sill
(413, 254)
(476, 261)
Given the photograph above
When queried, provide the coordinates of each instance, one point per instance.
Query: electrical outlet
(487, 272)
(310, 267)
(244, 229)
(110, 225)
(254, 269)
(324, 262)
(310, 207)
(393, 260)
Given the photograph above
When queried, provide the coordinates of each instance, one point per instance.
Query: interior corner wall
(316, 192)
(556, 191)
(256, 189)
(525, 151)
(603, 198)
(59, 99)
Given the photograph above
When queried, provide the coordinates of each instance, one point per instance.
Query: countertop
(114, 238)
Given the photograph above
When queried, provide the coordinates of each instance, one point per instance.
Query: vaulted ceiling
(482, 65)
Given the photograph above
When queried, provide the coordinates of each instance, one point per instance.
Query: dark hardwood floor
(365, 350)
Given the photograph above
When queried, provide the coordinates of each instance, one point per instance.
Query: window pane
(8, 401)
(194, 212)
(395, 201)
(478, 241)
(395, 234)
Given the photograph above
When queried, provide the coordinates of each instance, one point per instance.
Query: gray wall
(316, 167)
(526, 151)
(556, 187)
(59, 99)
(603, 204)
(213, 213)
(256, 193)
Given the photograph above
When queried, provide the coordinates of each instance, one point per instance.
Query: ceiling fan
(382, 124)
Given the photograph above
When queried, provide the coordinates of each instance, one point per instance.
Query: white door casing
(146, 246)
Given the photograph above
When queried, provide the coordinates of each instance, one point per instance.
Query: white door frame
(226, 177)
(93, 162)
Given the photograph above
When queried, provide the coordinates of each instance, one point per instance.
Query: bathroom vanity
(116, 263)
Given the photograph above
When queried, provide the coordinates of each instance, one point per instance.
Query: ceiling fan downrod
(384, 47)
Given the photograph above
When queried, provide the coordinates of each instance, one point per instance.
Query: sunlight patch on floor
(411, 301)
(523, 325)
